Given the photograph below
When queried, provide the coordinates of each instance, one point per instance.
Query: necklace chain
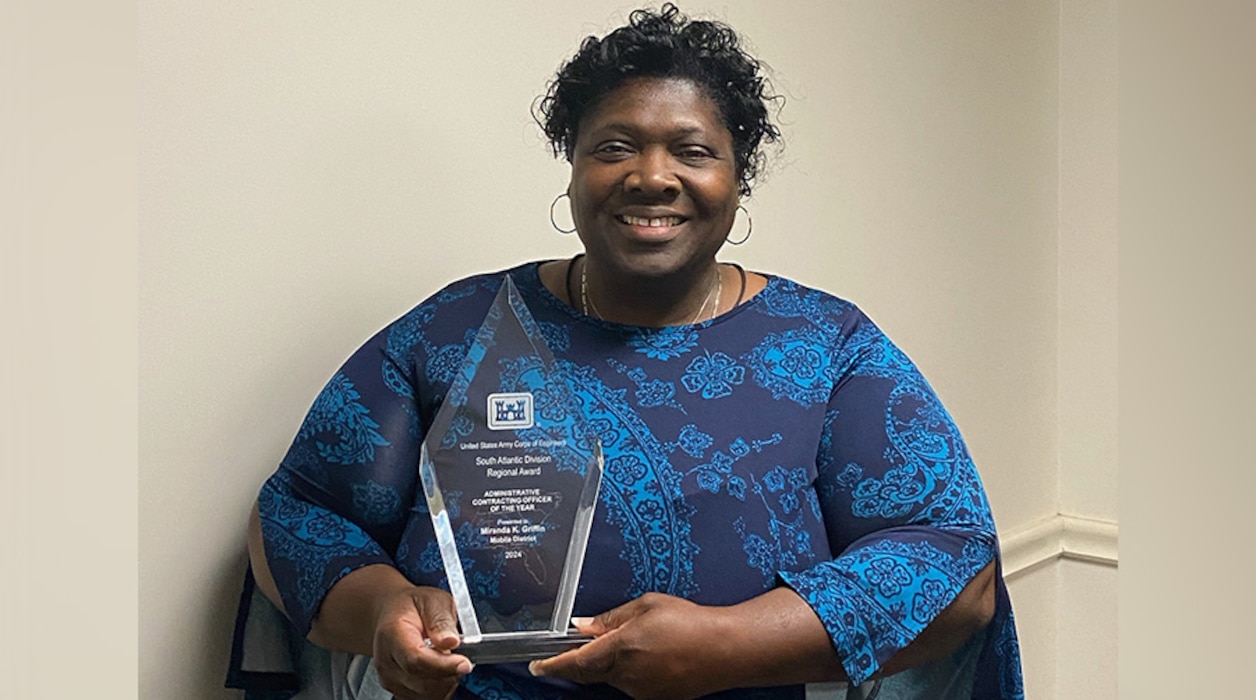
(713, 294)
(587, 305)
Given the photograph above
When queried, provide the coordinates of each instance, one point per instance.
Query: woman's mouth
(659, 222)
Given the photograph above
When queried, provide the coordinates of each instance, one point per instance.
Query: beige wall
(1087, 360)
(1088, 259)
(309, 173)
(1064, 568)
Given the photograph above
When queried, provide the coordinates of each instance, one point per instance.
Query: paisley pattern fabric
(787, 442)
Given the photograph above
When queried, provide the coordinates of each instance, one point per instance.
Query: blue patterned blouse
(786, 442)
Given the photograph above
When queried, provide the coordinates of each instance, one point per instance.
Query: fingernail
(465, 667)
(581, 621)
(535, 668)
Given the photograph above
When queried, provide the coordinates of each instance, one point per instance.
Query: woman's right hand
(416, 630)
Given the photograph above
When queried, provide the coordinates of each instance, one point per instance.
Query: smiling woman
(786, 501)
(663, 122)
(653, 194)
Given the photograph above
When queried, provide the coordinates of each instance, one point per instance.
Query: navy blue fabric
(787, 442)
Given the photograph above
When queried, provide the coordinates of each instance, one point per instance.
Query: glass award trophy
(511, 474)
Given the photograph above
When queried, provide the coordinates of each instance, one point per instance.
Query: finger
(611, 619)
(428, 662)
(413, 656)
(588, 625)
(440, 619)
(590, 663)
(408, 666)
(403, 647)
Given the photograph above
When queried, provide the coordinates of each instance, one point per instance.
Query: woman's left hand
(657, 646)
(660, 646)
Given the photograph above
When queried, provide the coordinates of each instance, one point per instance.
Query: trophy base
(505, 648)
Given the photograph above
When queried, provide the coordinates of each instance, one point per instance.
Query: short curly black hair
(665, 44)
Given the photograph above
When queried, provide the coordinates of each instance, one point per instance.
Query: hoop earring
(749, 228)
(555, 223)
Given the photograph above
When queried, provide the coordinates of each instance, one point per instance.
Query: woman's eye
(612, 150)
(695, 153)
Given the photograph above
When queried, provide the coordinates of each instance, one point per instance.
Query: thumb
(440, 618)
(607, 621)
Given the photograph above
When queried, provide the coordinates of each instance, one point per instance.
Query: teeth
(657, 222)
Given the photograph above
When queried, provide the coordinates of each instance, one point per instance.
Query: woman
(785, 500)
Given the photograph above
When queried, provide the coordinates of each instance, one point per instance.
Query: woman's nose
(654, 172)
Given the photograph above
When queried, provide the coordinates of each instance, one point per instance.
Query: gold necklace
(587, 305)
(714, 293)
(585, 302)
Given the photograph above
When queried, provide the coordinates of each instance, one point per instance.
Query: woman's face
(653, 180)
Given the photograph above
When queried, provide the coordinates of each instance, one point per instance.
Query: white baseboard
(1059, 537)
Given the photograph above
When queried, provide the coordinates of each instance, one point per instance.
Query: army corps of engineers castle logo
(509, 411)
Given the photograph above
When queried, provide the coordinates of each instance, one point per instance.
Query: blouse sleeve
(340, 497)
(903, 506)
